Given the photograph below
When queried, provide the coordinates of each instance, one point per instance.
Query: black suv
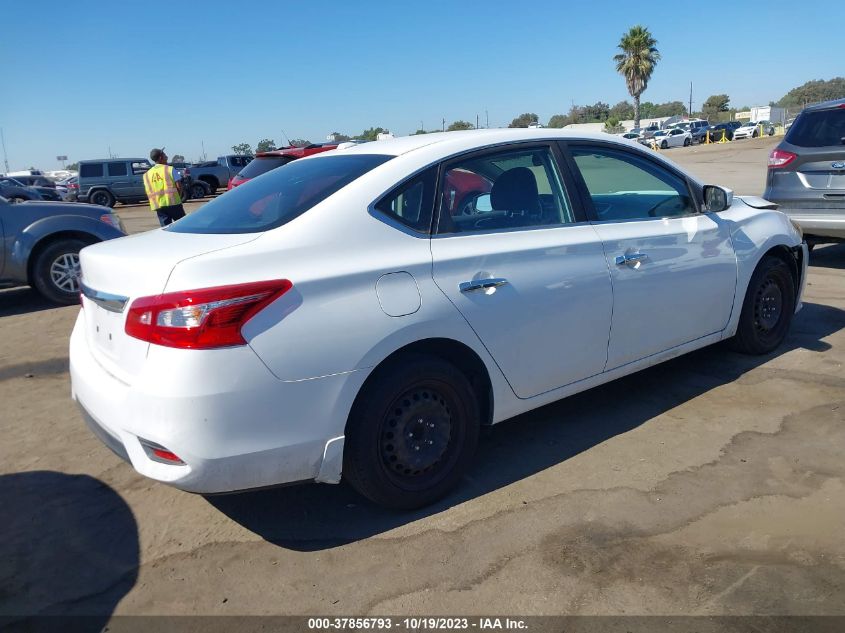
(806, 175)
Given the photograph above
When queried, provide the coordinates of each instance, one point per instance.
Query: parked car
(723, 129)
(698, 130)
(664, 139)
(15, 192)
(40, 244)
(806, 174)
(218, 174)
(753, 129)
(631, 136)
(36, 181)
(265, 161)
(191, 189)
(44, 193)
(68, 188)
(372, 334)
(111, 180)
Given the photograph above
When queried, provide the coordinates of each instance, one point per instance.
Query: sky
(87, 78)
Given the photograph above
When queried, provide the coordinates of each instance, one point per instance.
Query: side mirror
(717, 198)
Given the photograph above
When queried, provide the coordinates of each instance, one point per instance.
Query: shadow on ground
(828, 256)
(314, 517)
(69, 547)
(22, 301)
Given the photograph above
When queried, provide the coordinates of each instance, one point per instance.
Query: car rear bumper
(259, 431)
(822, 222)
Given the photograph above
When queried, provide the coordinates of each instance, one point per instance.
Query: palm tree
(636, 62)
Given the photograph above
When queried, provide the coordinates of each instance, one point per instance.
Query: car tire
(664, 145)
(197, 191)
(412, 433)
(687, 142)
(102, 197)
(754, 134)
(56, 269)
(767, 308)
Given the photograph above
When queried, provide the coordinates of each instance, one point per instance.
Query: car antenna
(286, 138)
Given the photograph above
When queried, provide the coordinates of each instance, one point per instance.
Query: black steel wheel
(103, 198)
(767, 309)
(412, 433)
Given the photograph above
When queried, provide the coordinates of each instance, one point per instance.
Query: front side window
(412, 202)
(140, 167)
(279, 196)
(117, 169)
(517, 188)
(624, 186)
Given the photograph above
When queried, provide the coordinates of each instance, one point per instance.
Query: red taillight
(204, 318)
(779, 158)
(167, 455)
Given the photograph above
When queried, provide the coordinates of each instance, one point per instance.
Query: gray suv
(806, 175)
(112, 180)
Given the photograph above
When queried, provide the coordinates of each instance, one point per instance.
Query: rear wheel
(767, 309)
(103, 198)
(56, 271)
(687, 142)
(197, 190)
(412, 433)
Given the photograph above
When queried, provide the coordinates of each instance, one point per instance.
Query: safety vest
(160, 187)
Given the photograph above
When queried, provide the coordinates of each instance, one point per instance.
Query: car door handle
(633, 259)
(481, 284)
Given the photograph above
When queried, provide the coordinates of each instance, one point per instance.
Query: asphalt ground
(713, 484)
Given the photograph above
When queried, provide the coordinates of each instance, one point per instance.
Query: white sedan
(362, 313)
(675, 137)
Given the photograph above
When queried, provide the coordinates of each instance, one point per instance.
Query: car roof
(297, 151)
(827, 105)
(455, 142)
(112, 160)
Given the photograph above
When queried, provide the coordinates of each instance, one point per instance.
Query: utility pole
(476, 121)
(203, 151)
(422, 127)
(443, 129)
(487, 119)
(5, 158)
(690, 99)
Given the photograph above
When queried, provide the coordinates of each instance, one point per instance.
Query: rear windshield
(279, 196)
(262, 165)
(822, 128)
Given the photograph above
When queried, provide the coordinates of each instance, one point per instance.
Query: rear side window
(412, 202)
(91, 170)
(263, 164)
(822, 128)
(278, 197)
(117, 169)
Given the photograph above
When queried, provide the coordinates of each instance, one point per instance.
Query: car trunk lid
(116, 272)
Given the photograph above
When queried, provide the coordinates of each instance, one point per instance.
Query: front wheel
(56, 271)
(687, 142)
(767, 309)
(412, 433)
(664, 145)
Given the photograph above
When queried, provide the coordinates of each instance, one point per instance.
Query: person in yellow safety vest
(163, 185)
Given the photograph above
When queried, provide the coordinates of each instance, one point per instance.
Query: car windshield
(263, 164)
(820, 128)
(279, 196)
(660, 133)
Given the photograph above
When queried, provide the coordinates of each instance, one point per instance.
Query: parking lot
(711, 484)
